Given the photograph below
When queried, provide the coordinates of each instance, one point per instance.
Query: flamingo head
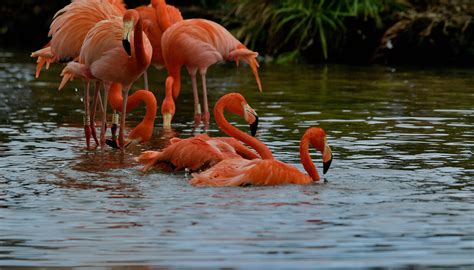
(168, 108)
(317, 138)
(130, 19)
(236, 104)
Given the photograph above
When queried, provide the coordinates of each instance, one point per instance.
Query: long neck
(306, 159)
(230, 130)
(138, 43)
(150, 103)
(162, 15)
(175, 72)
(115, 100)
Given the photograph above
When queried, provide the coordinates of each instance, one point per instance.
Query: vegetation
(289, 28)
(349, 31)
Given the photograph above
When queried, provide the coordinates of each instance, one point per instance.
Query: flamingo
(155, 31)
(238, 171)
(67, 31)
(198, 44)
(143, 131)
(108, 55)
(202, 151)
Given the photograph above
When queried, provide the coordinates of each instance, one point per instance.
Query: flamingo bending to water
(157, 15)
(198, 44)
(143, 131)
(238, 171)
(203, 151)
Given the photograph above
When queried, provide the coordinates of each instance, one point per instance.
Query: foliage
(292, 26)
(435, 28)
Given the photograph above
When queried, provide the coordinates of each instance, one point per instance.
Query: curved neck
(138, 43)
(175, 72)
(306, 158)
(150, 103)
(115, 100)
(232, 131)
(162, 15)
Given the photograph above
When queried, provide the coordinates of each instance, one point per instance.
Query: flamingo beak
(254, 126)
(327, 158)
(252, 119)
(127, 34)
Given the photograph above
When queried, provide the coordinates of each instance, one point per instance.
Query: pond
(399, 192)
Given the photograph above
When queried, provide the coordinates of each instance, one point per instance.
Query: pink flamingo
(202, 151)
(68, 31)
(114, 50)
(238, 171)
(198, 44)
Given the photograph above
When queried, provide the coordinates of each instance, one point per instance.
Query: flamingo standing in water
(114, 50)
(68, 31)
(238, 171)
(158, 15)
(198, 44)
(202, 151)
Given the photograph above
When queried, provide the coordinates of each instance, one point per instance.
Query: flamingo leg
(103, 129)
(204, 98)
(121, 138)
(94, 108)
(197, 106)
(113, 129)
(87, 129)
(145, 79)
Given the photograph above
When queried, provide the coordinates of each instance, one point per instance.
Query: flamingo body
(238, 171)
(70, 27)
(199, 152)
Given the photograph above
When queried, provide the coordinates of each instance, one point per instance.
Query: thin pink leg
(204, 98)
(124, 113)
(103, 129)
(197, 106)
(87, 129)
(94, 108)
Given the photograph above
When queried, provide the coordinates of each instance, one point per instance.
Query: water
(399, 193)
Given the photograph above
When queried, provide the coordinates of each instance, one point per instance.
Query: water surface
(399, 193)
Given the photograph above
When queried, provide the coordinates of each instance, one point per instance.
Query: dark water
(400, 192)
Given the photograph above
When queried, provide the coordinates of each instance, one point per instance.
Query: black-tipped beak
(254, 127)
(126, 46)
(326, 165)
(112, 143)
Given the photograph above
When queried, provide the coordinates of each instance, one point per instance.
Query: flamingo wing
(192, 153)
(238, 172)
(72, 23)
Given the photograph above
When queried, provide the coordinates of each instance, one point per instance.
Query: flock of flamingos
(103, 42)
